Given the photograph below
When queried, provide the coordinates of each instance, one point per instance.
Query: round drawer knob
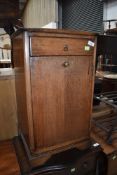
(66, 64)
(114, 157)
(66, 48)
(85, 165)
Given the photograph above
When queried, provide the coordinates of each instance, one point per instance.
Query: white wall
(110, 12)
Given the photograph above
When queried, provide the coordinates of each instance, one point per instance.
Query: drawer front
(86, 167)
(40, 46)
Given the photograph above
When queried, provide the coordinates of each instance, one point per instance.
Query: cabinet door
(61, 100)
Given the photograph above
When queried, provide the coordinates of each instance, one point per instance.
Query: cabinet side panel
(20, 84)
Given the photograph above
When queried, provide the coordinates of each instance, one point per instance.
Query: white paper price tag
(91, 43)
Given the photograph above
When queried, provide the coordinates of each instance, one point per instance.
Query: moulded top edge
(54, 31)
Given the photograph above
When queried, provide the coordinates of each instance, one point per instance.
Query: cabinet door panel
(61, 99)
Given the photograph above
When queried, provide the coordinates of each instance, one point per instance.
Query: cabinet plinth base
(73, 160)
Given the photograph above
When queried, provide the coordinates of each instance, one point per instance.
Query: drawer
(112, 164)
(41, 46)
(87, 167)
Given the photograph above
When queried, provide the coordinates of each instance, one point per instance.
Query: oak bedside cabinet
(54, 72)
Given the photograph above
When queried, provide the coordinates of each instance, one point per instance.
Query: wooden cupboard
(54, 88)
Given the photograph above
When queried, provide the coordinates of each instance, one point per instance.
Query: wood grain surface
(60, 46)
(22, 84)
(8, 160)
(61, 99)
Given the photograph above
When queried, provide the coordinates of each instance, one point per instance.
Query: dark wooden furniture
(110, 153)
(108, 82)
(73, 161)
(54, 87)
(105, 116)
(13, 10)
(109, 85)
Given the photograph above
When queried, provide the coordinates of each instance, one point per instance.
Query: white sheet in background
(51, 25)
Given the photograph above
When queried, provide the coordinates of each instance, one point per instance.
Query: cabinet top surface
(52, 31)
